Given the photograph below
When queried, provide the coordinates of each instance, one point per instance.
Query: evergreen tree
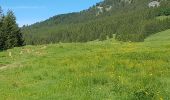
(1, 34)
(102, 37)
(9, 29)
(10, 33)
(20, 40)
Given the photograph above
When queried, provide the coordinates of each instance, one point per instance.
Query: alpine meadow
(113, 50)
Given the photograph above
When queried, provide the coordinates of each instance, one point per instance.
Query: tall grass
(108, 70)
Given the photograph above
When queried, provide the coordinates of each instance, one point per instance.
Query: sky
(30, 11)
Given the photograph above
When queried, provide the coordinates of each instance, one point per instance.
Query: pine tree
(20, 40)
(10, 33)
(1, 34)
(9, 30)
(102, 37)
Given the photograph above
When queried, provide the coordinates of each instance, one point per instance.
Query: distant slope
(163, 36)
(98, 10)
(120, 17)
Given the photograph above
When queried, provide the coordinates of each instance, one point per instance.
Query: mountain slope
(159, 37)
(120, 17)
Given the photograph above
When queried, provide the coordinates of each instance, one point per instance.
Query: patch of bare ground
(2, 66)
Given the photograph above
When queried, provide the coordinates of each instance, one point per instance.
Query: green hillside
(101, 21)
(108, 70)
(159, 37)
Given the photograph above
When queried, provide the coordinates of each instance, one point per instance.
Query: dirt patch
(10, 66)
(2, 65)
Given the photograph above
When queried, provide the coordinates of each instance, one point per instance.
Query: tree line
(10, 33)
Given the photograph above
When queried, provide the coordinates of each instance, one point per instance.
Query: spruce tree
(1, 34)
(10, 33)
(9, 30)
(20, 39)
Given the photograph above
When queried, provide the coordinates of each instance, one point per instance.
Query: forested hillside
(130, 20)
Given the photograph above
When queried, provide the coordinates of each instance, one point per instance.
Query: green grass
(162, 17)
(108, 70)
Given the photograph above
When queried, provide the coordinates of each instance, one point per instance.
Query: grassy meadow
(108, 70)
